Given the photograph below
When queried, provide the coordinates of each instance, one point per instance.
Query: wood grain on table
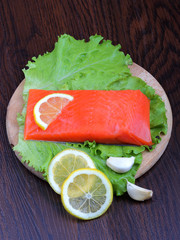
(150, 32)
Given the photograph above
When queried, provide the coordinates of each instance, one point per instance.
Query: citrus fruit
(87, 193)
(47, 108)
(64, 163)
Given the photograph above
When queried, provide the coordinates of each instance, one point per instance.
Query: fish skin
(110, 117)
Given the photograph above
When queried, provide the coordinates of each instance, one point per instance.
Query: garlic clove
(138, 193)
(120, 164)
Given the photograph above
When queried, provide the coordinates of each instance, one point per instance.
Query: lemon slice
(87, 193)
(63, 164)
(47, 109)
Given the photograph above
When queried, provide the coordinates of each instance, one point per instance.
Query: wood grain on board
(149, 158)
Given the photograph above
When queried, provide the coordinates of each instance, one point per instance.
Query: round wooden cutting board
(149, 158)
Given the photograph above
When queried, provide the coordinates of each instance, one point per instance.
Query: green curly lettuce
(99, 65)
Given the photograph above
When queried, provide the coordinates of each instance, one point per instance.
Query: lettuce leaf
(96, 64)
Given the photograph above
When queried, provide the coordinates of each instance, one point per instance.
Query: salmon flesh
(110, 117)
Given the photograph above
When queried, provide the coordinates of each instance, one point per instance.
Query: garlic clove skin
(120, 164)
(138, 193)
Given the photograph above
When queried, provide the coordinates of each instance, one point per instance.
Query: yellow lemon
(87, 193)
(47, 108)
(64, 163)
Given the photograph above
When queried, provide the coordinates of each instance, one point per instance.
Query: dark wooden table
(150, 32)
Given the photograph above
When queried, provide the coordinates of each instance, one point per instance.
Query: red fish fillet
(111, 117)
